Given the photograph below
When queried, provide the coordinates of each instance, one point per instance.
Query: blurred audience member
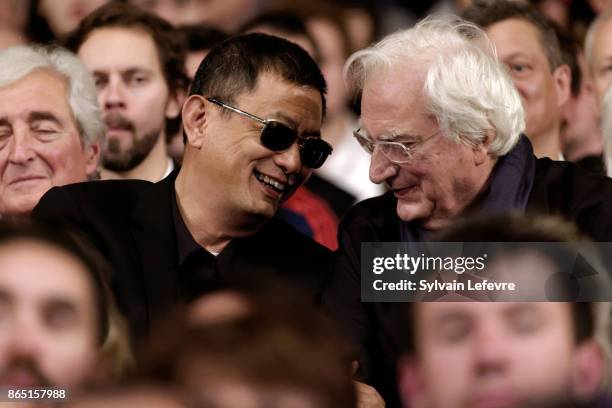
(225, 15)
(606, 130)
(361, 18)
(348, 167)
(468, 354)
(252, 125)
(137, 61)
(50, 125)
(580, 129)
(285, 24)
(14, 14)
(200, 39)
(598, 53)
(600, 6)
(240, 348)
(59, 326)
(529, 47)
(10, 38)
(132, 396)
(539, 355)
(63, 16)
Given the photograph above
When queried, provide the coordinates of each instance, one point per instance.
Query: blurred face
(493, 355)
(580, 114)
(442, 177)
(40, 145)
(601, 59)
(543, 91)
(48, 322)
(132, 92)
(64, 15)
(228, 15)
(329, 39)
(236, 170)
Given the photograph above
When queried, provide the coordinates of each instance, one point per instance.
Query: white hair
(590, 37)
(469, 91)
(606, 130)
(20, 61)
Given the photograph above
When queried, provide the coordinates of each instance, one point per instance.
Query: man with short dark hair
(137, 61)
(252, 125)
(529, 47)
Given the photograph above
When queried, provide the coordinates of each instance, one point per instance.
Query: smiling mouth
(269, 182)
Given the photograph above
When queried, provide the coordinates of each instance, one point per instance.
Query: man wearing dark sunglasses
(252, 137)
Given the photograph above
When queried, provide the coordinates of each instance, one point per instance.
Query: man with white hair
(444, 124)
(50, 125)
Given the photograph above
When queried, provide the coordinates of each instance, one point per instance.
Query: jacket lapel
(156, 243)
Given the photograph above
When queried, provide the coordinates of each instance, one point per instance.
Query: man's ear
(194, 117)
(481, 150)
(175, 102)
(589, 370)
(92, 153)
(563, 78)
(411, 384)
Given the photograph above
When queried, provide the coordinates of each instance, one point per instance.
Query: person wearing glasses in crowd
(252, 131)
(443, 123)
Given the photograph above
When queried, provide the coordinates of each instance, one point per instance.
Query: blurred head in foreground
(58, 323)
(519, 354)
(236, 349)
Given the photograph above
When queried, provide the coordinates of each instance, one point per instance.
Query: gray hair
(606, 130)
(469, 91)
(20, 61)
(590, 37)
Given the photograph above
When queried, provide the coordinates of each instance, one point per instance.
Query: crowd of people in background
(187, 186)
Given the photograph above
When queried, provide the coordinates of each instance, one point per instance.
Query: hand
(367, 396)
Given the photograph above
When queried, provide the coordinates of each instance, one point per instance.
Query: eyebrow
(61, 304)
(136, 70)
(123, 72)
(516, 55)
(36, 116)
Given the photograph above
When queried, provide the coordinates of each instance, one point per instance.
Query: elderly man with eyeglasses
(443, 123)
(252, 132)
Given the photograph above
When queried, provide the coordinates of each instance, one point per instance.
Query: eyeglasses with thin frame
(396, 152)
(279, 137)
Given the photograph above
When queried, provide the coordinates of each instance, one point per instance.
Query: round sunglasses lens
(277, 136)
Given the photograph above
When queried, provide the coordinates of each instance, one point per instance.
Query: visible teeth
(270, 181)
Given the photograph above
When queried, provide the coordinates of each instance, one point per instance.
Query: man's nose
(490, 352)
(289, 160)
(22, 146)
(113, 95)
(381, 168)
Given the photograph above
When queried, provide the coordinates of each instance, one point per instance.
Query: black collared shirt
(198, 270)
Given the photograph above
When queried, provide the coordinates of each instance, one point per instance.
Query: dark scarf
(508, 189)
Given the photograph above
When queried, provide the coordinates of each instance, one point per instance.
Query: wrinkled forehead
(393, 100)
(41, 90)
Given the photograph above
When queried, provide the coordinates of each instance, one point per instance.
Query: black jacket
(131, 223)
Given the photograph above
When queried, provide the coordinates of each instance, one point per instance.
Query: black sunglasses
(279, 137)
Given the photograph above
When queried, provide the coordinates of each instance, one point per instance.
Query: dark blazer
(560, 188)
(130, 222)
